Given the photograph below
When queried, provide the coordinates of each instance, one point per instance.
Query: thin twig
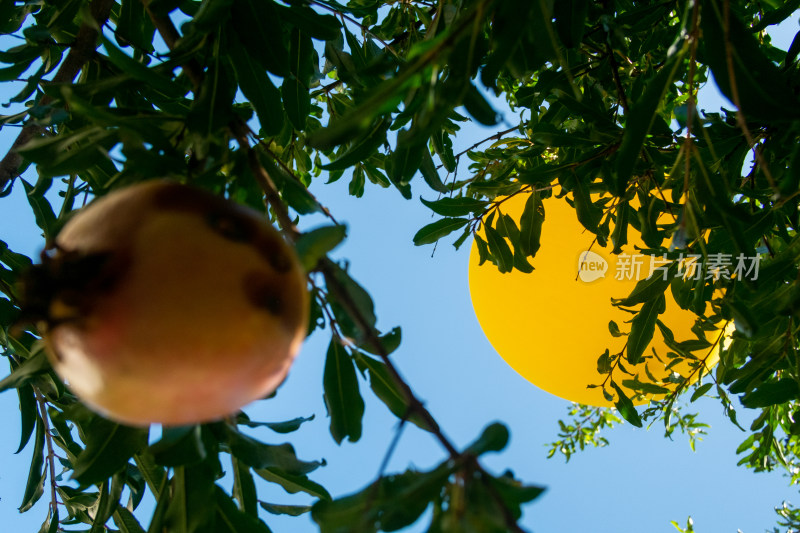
(361, 26)
(494, 137)
(51, 456)
(264, 146)
(623, 100)
(691, 105)
(267, 185)
(740, 119)
(170, 34)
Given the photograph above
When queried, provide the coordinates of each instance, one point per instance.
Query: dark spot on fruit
(232, 226)
(176, 197)
(273, 250)
(264, 292)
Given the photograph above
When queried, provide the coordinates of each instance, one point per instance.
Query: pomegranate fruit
(166, 304)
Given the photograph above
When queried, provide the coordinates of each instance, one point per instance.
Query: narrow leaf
(625, 407)
(455, 207)
(531, 224)
(342, 396)
(436, 230)
(643, 326)
(315, 244)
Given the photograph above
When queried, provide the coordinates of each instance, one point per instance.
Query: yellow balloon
(552, 325)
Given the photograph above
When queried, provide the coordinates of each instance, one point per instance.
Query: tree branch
(170, 34)
(495, 137)
(623, 100)
(79, 53)
(51, 456)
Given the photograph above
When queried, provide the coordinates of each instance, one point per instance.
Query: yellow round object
(168, 304)
(552, 325)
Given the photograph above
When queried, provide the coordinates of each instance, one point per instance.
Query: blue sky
(640, 483)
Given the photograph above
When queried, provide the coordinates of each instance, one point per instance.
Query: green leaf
(514, 493)
(613, 328)
(342, 396)
(212, 108)
(181, 445)
(385, 388)
(361, 148)
(477, 106)
(126, 522)
(604, 362)
(51, 524)
(357, 182)
(191, 507)
(16, 261)
(278, 427)
(291, 510)
(504, 258)
(436, 230)
(571, 20)
(315, 244)
(153, 474)
(430, 174)
(644, 387)
(493, 439)
(66, 154)
(404, 162)
(387, 343)
(772, 393)
(301, 56)
(259, 455)
(642, 115)
(138, 71)
(28, 413)
(391, 503)
(14, 72)
(293, 483)
(443, 146)
(257, 86)
(42, 210)
(108, 448)
(455, 207)
(244, 487)
(588, 214)
(625, 407)
(530, 229)
(764, 91)
(649, 288)
(34, 488)
(258, 25)
(27, 370)
(620, 235)
(323, 27)
(643, 327)
(232, 520)
(296, 102)
(293, 192)
(134, 27)
(700, 391)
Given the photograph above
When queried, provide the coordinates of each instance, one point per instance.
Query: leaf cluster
(255, 100)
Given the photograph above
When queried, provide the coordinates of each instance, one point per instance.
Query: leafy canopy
(255, 99)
